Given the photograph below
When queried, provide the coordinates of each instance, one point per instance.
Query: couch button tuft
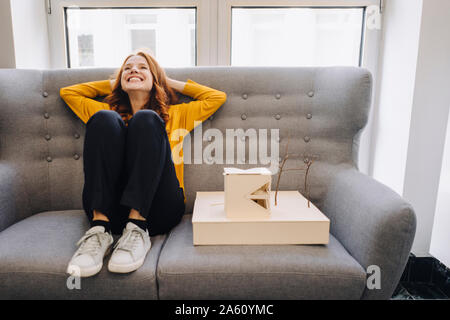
(306, 138)
(311, 94)
(76, 135)
(46, 115)
(278, 96)
(49, 159)
(76, 156)
(45, 94)
(47, 137)
(309, 116)
(243, 116)
(244, 96)
(277, 116)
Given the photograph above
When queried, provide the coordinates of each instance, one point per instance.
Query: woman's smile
(135, 79)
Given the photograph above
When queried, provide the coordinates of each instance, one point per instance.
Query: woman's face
(136, 75)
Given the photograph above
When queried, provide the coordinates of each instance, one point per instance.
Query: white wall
(7, 55)
(440, 239)
(29, 18)
(412, 114)
(433, 107)
(396, 78)
(429, 119)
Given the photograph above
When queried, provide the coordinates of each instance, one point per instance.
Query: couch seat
(186, 271)
(34, 254)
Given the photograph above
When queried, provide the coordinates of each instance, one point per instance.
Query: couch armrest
(373, 223)
(12, 196)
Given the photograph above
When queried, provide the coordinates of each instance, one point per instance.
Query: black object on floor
(423, 278)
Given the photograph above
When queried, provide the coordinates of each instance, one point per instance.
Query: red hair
(161, 95)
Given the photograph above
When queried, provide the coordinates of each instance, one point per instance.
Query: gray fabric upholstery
(328, 105)
(34, 254)
(186, 271)
(12, 200)
(374, 223)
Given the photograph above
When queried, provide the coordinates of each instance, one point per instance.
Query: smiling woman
(131, 181)
(141, 84)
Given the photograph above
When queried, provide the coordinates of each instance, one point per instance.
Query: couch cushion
(34, 254)
(186, 271)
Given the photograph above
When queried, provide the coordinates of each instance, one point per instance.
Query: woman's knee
(105, 119)
(147, 119)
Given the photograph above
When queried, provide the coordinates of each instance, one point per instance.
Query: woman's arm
(188, 115)
(175, 84)
(79, 98)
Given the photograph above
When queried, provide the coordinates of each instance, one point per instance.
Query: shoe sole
(89, 272)
(127, 268)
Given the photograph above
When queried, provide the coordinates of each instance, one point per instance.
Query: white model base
(290, 222)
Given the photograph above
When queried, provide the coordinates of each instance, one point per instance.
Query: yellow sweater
(79, 98)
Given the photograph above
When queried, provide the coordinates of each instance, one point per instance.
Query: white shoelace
(129, 240)
(90, 243)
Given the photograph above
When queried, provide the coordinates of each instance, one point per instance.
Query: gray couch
(323, 110)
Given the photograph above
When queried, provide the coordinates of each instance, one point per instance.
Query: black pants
(131, 167)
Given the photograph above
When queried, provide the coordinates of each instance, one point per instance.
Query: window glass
(104, 37)
(296, 36)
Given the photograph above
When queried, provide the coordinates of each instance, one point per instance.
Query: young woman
(131, 181)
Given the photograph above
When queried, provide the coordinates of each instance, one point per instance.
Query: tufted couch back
(321, 110)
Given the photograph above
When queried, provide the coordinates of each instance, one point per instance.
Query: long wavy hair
(161, 95)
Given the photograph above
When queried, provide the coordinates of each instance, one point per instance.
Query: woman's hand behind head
(113, 83)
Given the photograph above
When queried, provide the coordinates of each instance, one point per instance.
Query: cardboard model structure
(290, 222)
(247, 193)
(243, 214)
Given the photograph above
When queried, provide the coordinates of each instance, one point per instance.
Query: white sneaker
(130, 251)
(93, 246)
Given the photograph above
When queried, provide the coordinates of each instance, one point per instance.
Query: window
(296, 36)
(99, 37)
(216, 32)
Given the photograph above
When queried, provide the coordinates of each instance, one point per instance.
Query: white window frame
(57, 26)
(370, 39)
(213, 25)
